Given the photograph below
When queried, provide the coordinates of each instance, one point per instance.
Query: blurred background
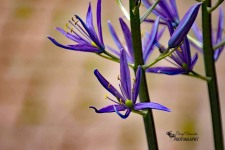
(45, 91)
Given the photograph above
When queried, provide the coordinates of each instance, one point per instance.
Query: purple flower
(181, 58)
(126, 100)
(215, 38)
(148, 41)
(83, 33)
(166, 9)
(184, 26)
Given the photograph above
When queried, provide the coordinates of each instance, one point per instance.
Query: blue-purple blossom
(184, 26)
(167, 10)
(126, 100)
(84, 34)
(216, 37)
(181, 58)
(148, 41)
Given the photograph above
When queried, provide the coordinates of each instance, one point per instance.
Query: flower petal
(152, 39)
(89, 19)
(197, 32)
(184, 26)
(194, 60)
(167, 70)
(83, 48)
(114, 36)
(99, 22)
(136, 85)
(92, 34)
(150, 105)
(128, 37)
(109, 109)
(125, 75)
(107, 85)
(70, 36)
(121, 115)
(220, 29)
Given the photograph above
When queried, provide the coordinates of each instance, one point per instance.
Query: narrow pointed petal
(183, 28)
(194, 60)
(220, 27)
(121, 115)
(99, 21)
(154, 32)
(69, 35)
(150, 105)
(125, 75)
(127, 36)
(107, 85)
(219, 37)
(175, 12)
(164, 6)
(186, 52)
(136, 86)
(83, 48)
(109, 109)
(89, 19)
(114, 36)
(197, 32)
(167, 70)
(92, 34)
(113, 51)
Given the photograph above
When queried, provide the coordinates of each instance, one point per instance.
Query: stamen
(80, 29)
(109, 85)
(112, 100)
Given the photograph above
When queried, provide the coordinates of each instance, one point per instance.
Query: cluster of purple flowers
(88, 39)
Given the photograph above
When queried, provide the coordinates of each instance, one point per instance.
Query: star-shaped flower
(83, 33)
(126, 100)
(181, 58)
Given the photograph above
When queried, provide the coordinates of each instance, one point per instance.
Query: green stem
(222, 43)
(210, 9)
(161, 57)
(211, 72)
(138, 57)
(149, 11)
(197, 75)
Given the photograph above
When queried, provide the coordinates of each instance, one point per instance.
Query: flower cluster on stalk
(87, 39)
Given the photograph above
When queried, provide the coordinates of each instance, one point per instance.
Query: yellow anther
(179, 49)
(75, 21)
(71, 30)
(93, 44)
(118, 77)
(120, 101)
(66, 27)
(106, 97)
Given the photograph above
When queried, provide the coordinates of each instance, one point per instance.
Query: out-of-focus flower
(148, 40)
(216, 38)
(184, 26)
(126, 101)
(180, 58)
(83, 33)
(166, 9)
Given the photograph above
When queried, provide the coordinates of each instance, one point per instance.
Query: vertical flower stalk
(211, 72)
(138, 60)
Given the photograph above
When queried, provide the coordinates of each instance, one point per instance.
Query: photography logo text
(183, 136)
